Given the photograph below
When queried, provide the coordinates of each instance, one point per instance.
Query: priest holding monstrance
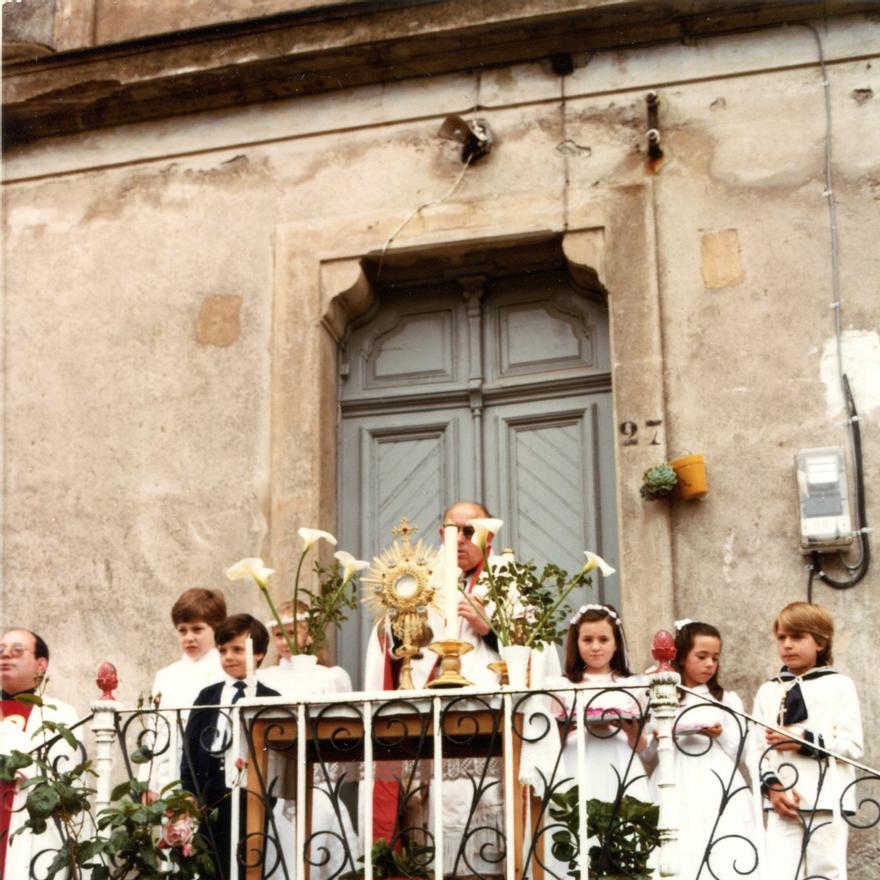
(459, 619)
(383, 667)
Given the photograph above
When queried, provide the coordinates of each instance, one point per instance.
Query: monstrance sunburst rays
(398, 585)
(399, 579)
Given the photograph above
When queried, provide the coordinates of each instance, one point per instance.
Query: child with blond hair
(334, 844)
(807, 790)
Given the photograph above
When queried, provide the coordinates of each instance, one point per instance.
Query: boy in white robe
(195, 615)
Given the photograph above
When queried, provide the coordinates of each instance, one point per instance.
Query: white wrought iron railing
(583, 780)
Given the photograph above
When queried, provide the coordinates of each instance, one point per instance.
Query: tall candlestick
(450, 585)
(250, 668)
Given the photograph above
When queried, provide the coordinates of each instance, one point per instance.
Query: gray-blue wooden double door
(493, 390)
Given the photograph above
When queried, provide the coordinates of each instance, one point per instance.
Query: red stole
(9, 709)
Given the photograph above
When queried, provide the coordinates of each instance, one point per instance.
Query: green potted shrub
(625, 832)
(410, 861)
(685, 475)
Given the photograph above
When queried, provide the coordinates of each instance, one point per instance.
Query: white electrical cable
(453, 188)
(832, 208)
(836, 305)
(419, 210)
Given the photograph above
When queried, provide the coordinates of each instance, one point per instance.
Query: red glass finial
(663, 649)
(107, 680)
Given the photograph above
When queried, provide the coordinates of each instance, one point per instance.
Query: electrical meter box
(824, 499)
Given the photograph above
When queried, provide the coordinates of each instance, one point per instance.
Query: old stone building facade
(205, 201)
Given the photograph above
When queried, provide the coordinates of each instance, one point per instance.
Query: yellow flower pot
(691, 473)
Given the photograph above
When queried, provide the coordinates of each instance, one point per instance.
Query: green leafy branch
(135, 836)
(408, 860)
(523, 607)
(329, 605)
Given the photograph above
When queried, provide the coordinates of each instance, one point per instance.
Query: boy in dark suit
(208, 765)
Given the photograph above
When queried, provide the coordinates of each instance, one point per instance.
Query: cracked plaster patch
(861, 364)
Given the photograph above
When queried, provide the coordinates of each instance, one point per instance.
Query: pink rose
(179, 832)
(240, 763)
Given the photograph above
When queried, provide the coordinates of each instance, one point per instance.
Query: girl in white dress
(613, 702)
(595, 656)
(715, 804)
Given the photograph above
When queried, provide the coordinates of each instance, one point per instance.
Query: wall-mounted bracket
(652, 99)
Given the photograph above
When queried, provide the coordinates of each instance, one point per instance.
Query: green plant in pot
(625, 832)
(409, 860)
(658, 482)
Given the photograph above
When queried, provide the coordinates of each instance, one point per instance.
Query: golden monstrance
(398, 585)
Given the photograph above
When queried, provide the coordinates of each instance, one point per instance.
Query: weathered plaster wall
(151, 271)
(134, 450)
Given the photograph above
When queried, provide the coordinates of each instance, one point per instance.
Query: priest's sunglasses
(16, 649)
(467, 531)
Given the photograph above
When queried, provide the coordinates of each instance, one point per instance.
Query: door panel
(550, 475)
(539, 329)
(404, 465)
(413, 343)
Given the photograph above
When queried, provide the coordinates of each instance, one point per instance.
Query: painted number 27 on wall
(631, 437)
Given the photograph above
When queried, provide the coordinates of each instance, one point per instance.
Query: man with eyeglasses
(24, 657)
(470, 561)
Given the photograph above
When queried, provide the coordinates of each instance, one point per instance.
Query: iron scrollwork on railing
(716, 807)
(147, 739)
(50, 794)
(826, 789)
(338, 743)
(455, 771)
(165, 756)
(472, 798)
(271, 846)
(544, 720)
(603, 805)
(402, 838)
(301, 745)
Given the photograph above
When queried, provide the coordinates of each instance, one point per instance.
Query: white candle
(450, 585)
(250, 669)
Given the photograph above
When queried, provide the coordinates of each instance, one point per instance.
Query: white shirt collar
(209, 658)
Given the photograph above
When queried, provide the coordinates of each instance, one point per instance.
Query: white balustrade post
(103, 728)
(664, 706)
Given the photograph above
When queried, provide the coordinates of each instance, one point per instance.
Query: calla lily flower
(250, 568)
(311, 536)
(482, 529)
(350, 565)
(596, 561)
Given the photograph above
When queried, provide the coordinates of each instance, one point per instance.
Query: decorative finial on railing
(663, 649)
(107, 680)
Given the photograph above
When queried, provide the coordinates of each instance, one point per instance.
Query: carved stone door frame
(321, 285)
